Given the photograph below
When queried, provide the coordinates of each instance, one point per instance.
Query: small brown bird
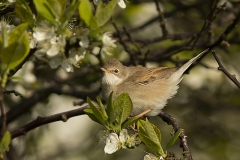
(148, 88)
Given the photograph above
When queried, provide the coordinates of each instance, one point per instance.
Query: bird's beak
(104, 70)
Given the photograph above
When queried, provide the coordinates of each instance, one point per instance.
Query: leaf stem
(3, 116)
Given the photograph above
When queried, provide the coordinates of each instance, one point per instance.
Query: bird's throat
(111, 79)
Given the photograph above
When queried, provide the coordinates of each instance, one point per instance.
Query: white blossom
(108, 43)
(64, 62)
(53, 45)
(44, 31)
(112, 143)
(121, 3)
(32, 43)
(43, 47)
(96, 50)
(115, 142)
(150, 156)
(84, 39)
(67, 66)
(55, 62)
(75, 56)
(57, 45)
(4, 24)
(47, 41)
(84, 42)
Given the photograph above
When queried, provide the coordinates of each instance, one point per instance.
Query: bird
(148, 88)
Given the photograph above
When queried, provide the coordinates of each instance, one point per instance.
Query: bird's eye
(116, 71)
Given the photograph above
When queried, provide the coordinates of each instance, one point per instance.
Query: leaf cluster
(115, 116)
(102, 15)
(14, 47)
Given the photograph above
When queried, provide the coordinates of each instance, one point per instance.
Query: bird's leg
(139, 115)
(143, 113)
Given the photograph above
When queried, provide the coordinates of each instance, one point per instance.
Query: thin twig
(229, 28)
(215, 10)
(64, 116)
(133, 56)
(178, 48)
(16, 93)
(183, 138)
(221, 68)
(161, 19)
(3, 114)
(167, 15)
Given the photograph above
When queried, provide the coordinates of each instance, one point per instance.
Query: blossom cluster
(115, 142)
(48, 42)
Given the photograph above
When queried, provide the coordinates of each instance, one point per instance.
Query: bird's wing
(147, 75)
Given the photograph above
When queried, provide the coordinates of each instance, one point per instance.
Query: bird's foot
(143, 113)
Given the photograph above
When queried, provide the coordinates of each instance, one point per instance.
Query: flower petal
(112, 143)
(123, 135)
(53, 51)
(121, 3)
(107, 40)
(55, 62)
(150, 156)
(67, 66)
(84, 42)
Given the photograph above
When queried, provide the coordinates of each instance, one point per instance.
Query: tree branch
(42, 94)
(223, 36)
(64, 116)
(161, 19)
(132, 54)
(221, 68)
(183, 138)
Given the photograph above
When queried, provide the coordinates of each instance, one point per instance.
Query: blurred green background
(207, 105)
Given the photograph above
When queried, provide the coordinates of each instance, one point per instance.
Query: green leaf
(71, 9)
(102, 108)
(3, 39)
(3, 4)
(44, 10)
(122, 108)
(150, 135)
(104, 12)
(56, 7)
(5, 142)
(98, 114)
(24, 12)
(90, 114)
(110, 104)
(157, 131)
(149, 142)
(85, 12)
(173, 139)
(150, 130)
(17, 47)
(131, 121)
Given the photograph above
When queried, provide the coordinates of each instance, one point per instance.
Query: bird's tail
(182, 69)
